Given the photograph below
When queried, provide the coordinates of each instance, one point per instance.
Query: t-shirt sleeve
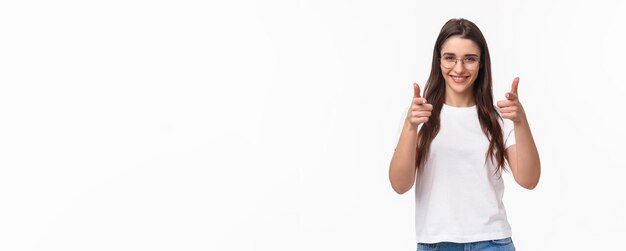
(508, 131)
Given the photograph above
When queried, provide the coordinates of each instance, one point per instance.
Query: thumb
(416, 91)
(514, 85)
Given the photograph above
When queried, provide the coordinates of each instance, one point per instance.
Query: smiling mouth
(459, 79)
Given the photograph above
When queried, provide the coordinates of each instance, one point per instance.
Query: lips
(459, 79)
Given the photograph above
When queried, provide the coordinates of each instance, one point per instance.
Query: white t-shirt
(457, 196)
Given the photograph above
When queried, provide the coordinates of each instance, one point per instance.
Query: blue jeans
(505, 244)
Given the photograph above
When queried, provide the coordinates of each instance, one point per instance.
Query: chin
(459, 88)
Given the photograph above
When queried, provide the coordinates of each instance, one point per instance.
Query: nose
(459, 67)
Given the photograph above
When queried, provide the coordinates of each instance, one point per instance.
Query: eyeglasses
(469, 62)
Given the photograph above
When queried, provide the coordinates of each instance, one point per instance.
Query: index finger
(416, 90)
(514, 85)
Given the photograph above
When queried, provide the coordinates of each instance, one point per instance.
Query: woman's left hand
(511, 108)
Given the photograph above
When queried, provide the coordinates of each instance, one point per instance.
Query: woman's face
(460, 63)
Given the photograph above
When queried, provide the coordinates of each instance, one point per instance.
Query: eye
(448, 58)
(471, 60)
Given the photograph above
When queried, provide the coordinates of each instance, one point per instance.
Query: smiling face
(460, 76)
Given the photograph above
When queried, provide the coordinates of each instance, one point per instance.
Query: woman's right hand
(420, 110)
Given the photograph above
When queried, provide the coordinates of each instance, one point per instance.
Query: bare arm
(523, 157)
(402, 167)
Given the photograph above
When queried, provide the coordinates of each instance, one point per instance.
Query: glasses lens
(470, 62)
(448, 61)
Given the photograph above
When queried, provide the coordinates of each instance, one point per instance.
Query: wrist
(410, 126)
(520, 122)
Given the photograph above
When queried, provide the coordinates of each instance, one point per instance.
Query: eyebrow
(467, 55)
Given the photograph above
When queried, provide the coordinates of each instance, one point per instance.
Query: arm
(523, 157)
(402, 167)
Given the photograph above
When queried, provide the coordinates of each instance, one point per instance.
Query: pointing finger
(419, 101)
(416, 90)
(514, 85)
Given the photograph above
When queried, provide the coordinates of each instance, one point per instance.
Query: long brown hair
(483, 96)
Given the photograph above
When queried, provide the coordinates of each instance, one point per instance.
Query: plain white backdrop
(269, 125)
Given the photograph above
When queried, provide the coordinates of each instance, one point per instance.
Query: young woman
(455, 144)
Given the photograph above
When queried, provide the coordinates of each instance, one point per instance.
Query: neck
(460, 99)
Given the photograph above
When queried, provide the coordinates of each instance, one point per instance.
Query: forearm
(402, 167)
(528, 163)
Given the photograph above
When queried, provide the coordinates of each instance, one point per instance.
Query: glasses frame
(462, 62)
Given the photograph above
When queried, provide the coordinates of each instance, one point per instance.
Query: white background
(269, 125)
